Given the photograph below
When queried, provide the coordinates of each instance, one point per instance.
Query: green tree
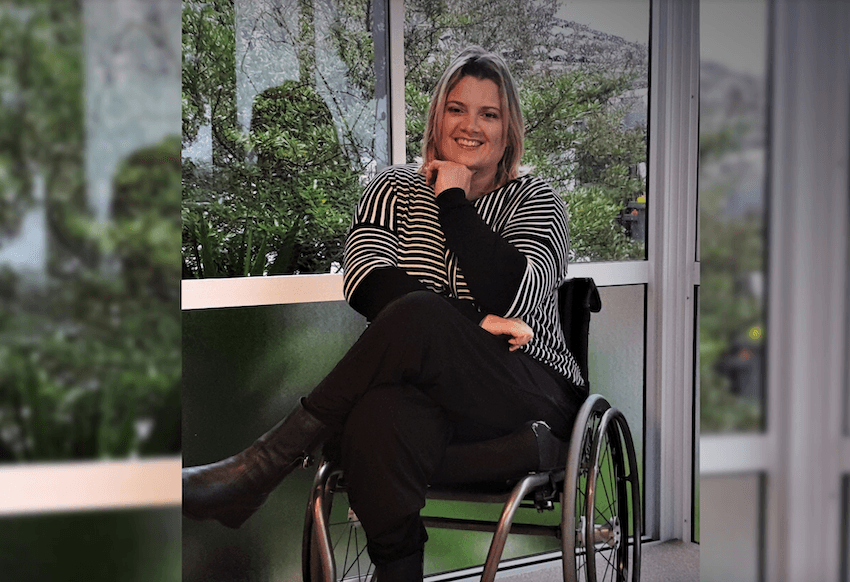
(730, 252)
(285, 211)
(243, 219)
(574, 106)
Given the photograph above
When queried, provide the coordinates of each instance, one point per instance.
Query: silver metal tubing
(491, 526)
(317, 500)
(521, 489)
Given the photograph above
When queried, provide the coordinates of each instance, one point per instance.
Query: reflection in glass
(284, 118)
(89, 174)
(583, 76)
(732, 214)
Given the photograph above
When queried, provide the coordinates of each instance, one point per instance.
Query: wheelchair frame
(584, 539)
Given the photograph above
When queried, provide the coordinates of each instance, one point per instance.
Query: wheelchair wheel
(346, 538)
(601, 502)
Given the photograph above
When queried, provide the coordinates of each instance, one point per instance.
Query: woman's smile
(473, 128)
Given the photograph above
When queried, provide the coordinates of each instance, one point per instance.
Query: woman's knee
(418, 312)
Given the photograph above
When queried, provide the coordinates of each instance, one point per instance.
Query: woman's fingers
(518, 332)
(443, 175)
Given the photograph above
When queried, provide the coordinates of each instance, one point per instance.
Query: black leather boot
(231, 490)
(408, 569)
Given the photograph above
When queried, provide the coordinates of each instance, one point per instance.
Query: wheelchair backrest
(577, 299)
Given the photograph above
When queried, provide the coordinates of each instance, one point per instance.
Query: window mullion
(673, 148)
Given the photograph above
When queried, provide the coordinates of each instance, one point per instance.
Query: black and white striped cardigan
(505, 253)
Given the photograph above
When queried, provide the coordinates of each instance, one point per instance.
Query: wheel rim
(349, 543)
(575, 487)
(606, 507)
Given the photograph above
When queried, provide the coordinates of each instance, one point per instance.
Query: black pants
(421, 376)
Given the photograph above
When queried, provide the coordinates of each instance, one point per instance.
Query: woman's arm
(492, 266)
(372, 277)
(512, 272)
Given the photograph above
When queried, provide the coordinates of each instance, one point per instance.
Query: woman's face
(473, 125)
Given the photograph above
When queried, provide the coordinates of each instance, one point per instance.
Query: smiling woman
(464, 334)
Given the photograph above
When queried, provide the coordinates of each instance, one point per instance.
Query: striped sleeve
(372, 241)
(538, 227)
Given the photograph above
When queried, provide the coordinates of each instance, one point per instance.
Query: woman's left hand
(517, 331)
(443, 175)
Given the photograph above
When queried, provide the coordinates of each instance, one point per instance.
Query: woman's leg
(423, 341)
(396, 433)
(394, 439)
(418, 340)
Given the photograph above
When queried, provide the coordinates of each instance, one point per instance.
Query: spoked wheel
(345, 537)
(601, 499)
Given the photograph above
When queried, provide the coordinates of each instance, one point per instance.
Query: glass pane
(617, 354)
(732, 523)
(284, 118)
(582, 68)
(244, 369)
(733, 144)
(89, 174)
(105, 546)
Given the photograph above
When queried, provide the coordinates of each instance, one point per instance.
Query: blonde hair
(476, 62)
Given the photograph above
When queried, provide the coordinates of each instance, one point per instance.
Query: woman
(456, 264)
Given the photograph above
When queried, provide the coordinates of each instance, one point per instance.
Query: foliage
(279, 198)
(285, 211)
(731, 251)
(208, 79)
(576, 135)
(41, 112)
(91, 363)
(264, 207)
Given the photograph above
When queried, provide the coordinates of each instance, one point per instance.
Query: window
(90, 328)
(284, 120)
(583, 76)
(733, 207)
(89, 280)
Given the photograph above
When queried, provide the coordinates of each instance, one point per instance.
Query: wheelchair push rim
(600, 530)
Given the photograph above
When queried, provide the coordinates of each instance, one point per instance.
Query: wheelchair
(593, 478)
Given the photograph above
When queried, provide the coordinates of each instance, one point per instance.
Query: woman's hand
(517, 330)
(443, 175)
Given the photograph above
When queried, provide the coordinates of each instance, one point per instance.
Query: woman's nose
(470, 123)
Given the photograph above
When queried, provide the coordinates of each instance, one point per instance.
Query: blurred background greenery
(90, 319)
(90, 359)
